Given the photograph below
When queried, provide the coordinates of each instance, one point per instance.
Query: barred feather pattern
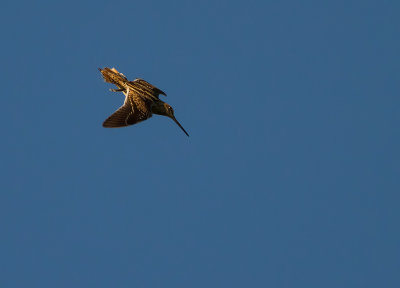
(141, 100)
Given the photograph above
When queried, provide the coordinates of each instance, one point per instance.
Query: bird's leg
(117, 90)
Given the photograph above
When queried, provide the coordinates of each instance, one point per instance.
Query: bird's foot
(117, 90)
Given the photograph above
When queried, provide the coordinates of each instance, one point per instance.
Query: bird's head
(170, 113)
(168, 110)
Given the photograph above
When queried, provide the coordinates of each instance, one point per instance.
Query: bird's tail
(113, 76)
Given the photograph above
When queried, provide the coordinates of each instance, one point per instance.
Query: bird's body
(141, 101)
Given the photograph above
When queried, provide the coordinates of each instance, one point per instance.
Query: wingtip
(108, 125)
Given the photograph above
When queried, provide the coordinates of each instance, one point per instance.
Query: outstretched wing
(133, 111)
(145, 87)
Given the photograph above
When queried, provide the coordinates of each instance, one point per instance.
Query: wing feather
(147, 87)
(133, 111)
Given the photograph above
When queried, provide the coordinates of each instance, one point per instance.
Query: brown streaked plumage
(141, 101)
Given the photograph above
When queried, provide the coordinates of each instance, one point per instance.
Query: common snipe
(141, 101)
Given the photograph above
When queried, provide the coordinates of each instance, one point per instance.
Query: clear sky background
(290, 177)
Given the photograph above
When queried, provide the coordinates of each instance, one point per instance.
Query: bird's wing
(146, 87)
(134, 110)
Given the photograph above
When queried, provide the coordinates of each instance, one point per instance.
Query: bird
(141, 101)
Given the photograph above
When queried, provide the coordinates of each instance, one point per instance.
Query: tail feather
(113, 76)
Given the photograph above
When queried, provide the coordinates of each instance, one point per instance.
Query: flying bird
(141, 101)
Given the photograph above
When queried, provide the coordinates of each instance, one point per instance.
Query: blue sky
(290, 177)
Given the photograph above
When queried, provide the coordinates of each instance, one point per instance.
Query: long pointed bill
(179, 124)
